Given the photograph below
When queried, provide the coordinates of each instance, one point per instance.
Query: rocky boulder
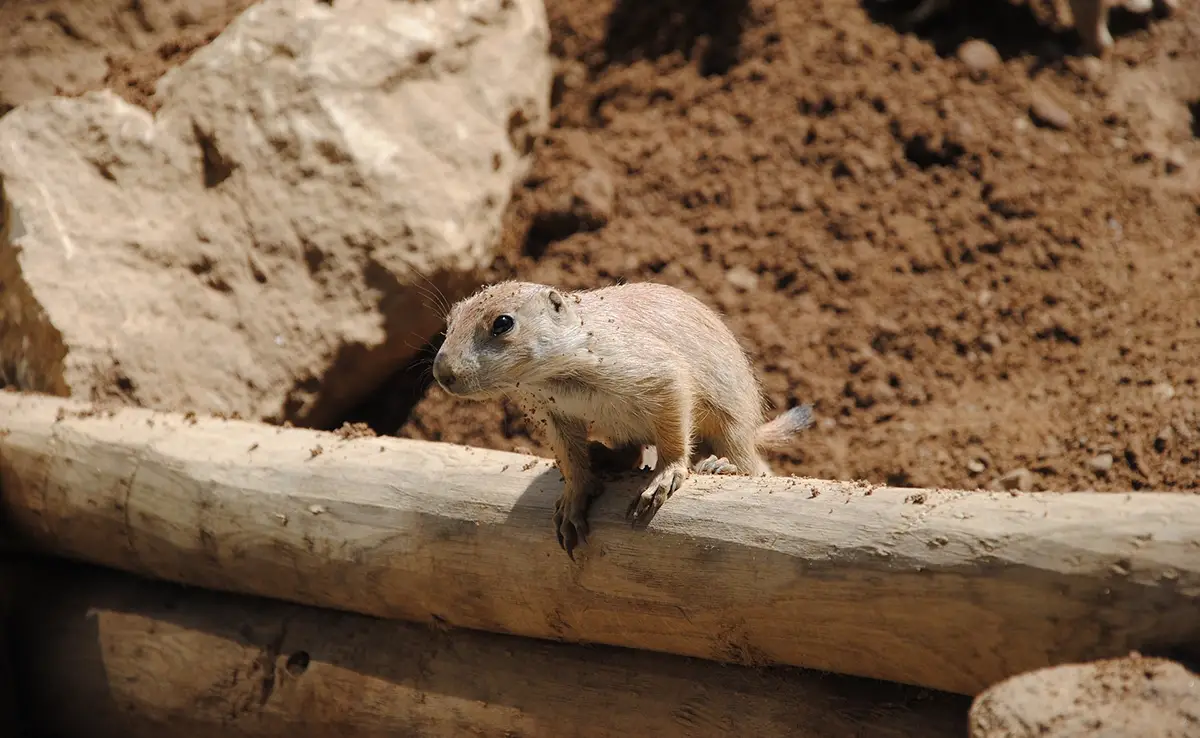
(1133, 697)
(283, 234)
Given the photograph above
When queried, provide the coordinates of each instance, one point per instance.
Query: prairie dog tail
(778, 433)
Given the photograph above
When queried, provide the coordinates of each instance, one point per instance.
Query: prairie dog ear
(556, 300)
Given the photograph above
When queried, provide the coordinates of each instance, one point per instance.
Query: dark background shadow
(709, 31)
(388, 408)
(1014, 30)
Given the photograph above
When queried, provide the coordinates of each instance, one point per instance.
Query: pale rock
(1017, 479)
(1163, 391)
(1047, 112)
(742, 278)
(273, 242)
(1129, 697)
(1101, 463)
(979, 57)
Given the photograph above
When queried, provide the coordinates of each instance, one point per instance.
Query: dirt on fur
(975, 250)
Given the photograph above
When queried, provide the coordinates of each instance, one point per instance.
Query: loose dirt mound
(970, 274)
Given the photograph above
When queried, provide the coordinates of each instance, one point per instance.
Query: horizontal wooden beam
(139, 659)
(951, 590)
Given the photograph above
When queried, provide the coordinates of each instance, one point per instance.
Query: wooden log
(951, 590)
(139, 659)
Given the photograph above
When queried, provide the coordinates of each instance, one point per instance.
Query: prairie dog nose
(441, 371)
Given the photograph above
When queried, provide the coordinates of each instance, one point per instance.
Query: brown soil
(67, 47)
(970, 275)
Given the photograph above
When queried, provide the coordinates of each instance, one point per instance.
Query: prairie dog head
(507, 334)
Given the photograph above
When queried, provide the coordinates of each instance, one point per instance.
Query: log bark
(139, 659)
(951, 590)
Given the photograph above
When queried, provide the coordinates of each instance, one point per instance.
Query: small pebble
(975, 466)
(1091, 68)
(742, 278)
(592, 195)
(1101, 463)
(1175, 161)
(1046, 112)
(802, 199)
(1017, 479)
(979, 57)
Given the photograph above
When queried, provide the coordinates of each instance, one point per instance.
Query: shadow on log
(139, 659)
(945, 589)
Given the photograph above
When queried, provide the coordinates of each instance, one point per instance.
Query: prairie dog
(632, 364)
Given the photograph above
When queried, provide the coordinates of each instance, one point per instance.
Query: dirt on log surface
(975, 249)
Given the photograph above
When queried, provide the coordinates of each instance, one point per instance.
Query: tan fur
(632, 364)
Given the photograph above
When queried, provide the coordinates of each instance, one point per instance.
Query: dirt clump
(354, 431)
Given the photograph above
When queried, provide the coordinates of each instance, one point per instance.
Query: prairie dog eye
(502, 324)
